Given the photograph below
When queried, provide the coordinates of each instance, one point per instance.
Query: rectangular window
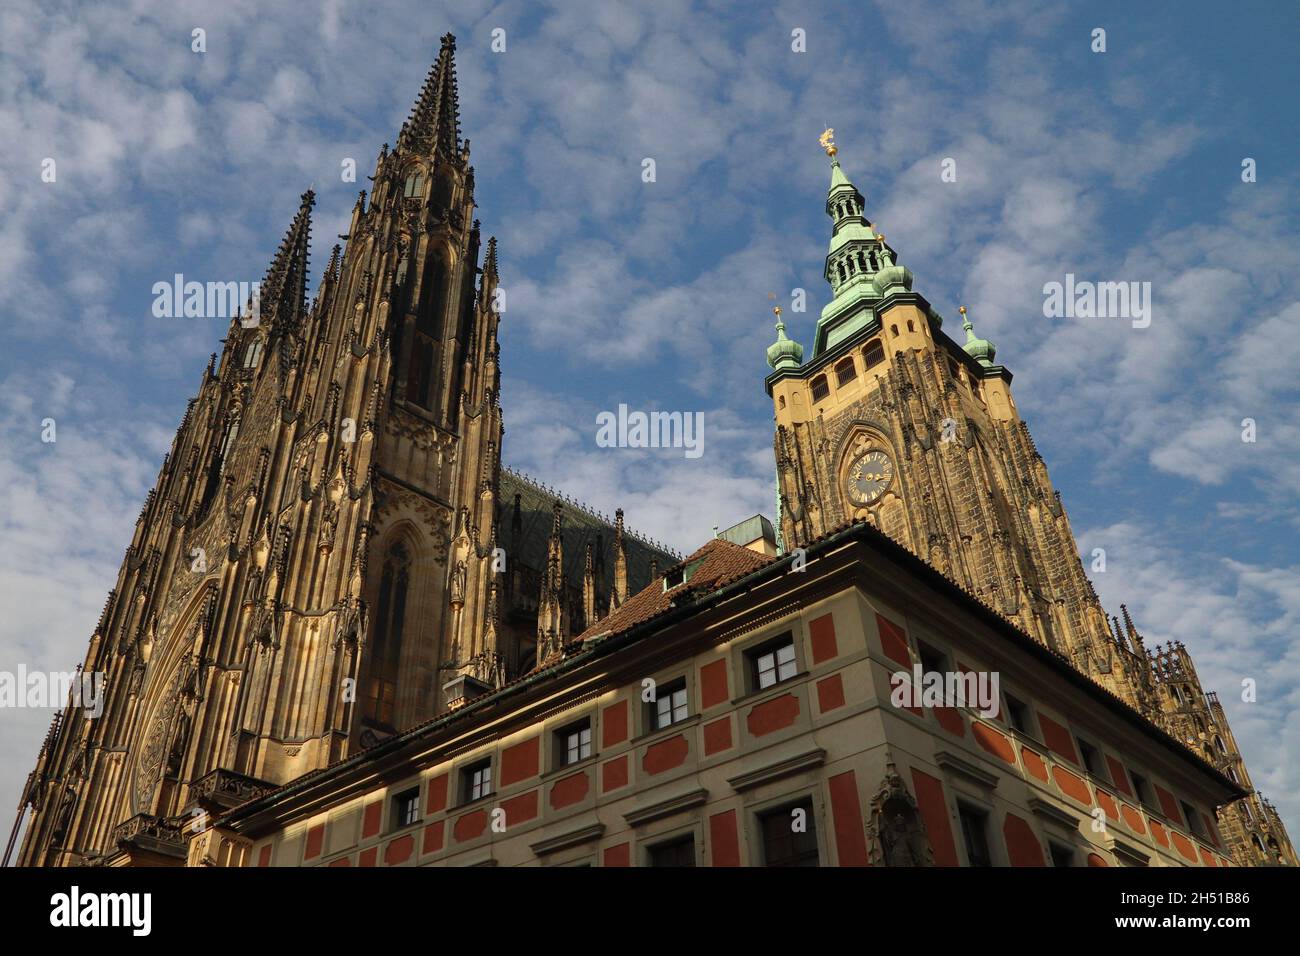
(1143, 790)
(574, 743)
(1020, 716)
(679, 852)
(1091, 758)
(476, 781)
(1061, 855)
(931, 659)
(974, 829)
(773, 663)
(669, 706)
(406, 808)
(933, 662)
(789, 836)
(1193, 819)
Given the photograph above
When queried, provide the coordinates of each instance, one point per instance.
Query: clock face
(869, 477)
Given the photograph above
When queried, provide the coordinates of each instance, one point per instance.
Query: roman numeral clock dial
(869, 478)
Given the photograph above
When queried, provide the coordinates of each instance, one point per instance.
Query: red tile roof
(723, 562)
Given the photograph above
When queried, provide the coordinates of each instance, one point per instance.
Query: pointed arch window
(218, 466)
(232, 432)
(443, 188)
(253, 353)
(421, 364)
(386, 652)
(414, 184)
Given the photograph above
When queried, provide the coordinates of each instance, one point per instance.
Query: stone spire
(589, 589)
(552, 614)
(1135, 639)
(434, 124)
(283, 293)
(620, 563)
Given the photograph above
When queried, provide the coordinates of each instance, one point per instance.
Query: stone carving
(896, 834)
(458, 576)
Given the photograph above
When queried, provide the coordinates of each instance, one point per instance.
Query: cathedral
(342, 624)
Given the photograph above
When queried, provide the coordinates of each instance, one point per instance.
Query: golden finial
(827, 140)
(961, 309)
(776, 309)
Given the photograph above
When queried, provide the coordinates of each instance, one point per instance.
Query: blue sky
(1123, 165)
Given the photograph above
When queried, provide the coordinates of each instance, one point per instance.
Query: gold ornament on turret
(827, 140)
(776, 309)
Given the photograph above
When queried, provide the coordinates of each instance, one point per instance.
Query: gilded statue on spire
(827, 140)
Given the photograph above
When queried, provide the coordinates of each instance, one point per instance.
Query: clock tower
(893, 421)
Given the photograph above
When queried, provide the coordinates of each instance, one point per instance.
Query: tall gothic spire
(619, 597)
(434, 124)
(283, 295)
(552, 611)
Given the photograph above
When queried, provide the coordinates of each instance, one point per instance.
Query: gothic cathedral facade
(333, 552)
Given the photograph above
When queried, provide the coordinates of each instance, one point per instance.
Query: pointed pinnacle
(284, 290)
(434, 124)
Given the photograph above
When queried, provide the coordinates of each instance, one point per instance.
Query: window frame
(669, 687)
(1085, 749)
(561, 738)
(784, 807)
(845, 363)
(981, 816)
(468, 781)
(674, 840)
(411, 794)
(1148, 798)
(1055, 846)
(819, 383)
(753, 656)
(1023, 708)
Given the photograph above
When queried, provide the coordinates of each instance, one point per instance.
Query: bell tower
(891, 421)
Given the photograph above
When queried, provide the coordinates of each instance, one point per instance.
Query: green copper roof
(838, 179)
(982, 350)
(860, 267)
(784, 352)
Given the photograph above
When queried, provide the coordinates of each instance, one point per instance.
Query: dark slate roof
(578, 526)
